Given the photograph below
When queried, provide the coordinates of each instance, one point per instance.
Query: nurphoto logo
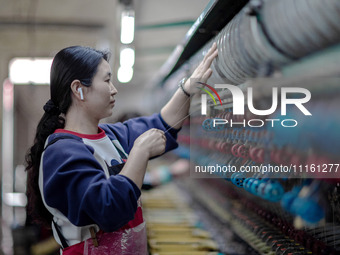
(238, 104)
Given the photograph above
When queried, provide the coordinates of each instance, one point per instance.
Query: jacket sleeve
(128, 131)
(75, 184)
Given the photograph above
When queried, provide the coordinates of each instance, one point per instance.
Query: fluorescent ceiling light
(127, 57)
(30, 70)
(15, 199)
(127, 31)
(124, 74)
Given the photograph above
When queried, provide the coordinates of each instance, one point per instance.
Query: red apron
(129, 240)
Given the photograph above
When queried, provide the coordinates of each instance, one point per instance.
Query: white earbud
(80, 90)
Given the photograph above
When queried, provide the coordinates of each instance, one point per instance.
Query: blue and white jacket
(79, 179)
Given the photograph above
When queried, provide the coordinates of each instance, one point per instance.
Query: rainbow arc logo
(204, 97)
(213, 90)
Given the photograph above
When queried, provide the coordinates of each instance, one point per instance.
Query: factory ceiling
(33, 28)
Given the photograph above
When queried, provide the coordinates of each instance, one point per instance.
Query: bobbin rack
(266, 181)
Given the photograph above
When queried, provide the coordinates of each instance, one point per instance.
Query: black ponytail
(69, 64)
(35, 207)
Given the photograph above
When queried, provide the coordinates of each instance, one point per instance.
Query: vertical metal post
(7, 165)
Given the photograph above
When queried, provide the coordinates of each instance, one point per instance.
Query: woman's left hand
(202, 72)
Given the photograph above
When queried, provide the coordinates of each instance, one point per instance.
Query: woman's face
(99, 97)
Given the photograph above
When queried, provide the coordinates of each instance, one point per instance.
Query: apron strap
(60, 235)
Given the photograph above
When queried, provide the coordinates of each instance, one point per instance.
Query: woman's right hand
(151, 142)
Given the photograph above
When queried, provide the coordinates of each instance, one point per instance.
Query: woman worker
(84, 178)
